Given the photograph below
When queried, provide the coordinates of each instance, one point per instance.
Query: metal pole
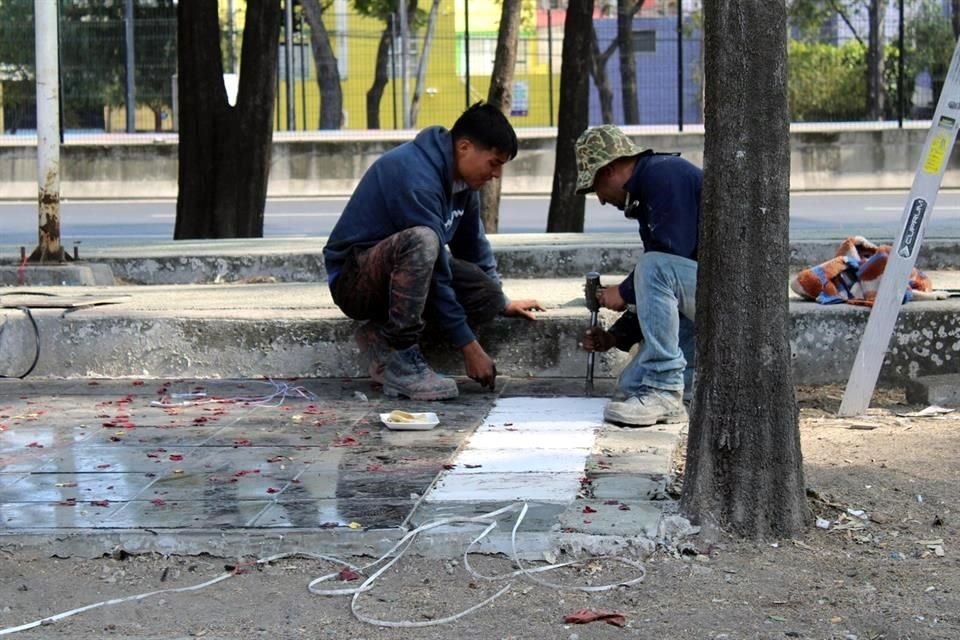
(900, 97)
(393, 65)
(550, 63)
(48, 131)
(405, 89)
(466, 47)
(131, 96)
(289, 76)
(680, 65)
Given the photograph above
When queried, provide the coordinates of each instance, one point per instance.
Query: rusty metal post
(48, 132)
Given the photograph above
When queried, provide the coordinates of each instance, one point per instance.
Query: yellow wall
(443, 105)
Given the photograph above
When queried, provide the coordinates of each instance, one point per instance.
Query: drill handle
(590, 291)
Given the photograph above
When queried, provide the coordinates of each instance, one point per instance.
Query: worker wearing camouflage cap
(662, 193)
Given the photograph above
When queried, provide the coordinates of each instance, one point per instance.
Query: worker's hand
(610, 298)
(479, 365)
(523, 308)
(596, 339)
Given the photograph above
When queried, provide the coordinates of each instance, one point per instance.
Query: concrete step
(294, 330)
(301, 259)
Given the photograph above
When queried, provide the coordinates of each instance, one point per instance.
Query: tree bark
(500, 95)
(566, 208)
(875, 89)
(224, 151)
(626, 10)
(744, 470)
(328, 73)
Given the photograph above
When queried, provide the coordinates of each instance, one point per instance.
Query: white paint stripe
(527, 449)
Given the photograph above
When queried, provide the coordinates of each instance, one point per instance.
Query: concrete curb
(115, 343)
(518, 256)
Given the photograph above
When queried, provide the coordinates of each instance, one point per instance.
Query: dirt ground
(884, 563)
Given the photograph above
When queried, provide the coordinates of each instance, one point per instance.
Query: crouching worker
(410, 250)
(662, 193)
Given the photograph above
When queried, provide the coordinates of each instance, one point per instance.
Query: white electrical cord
(490, 519)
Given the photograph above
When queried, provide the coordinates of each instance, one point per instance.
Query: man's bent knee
(422, 240)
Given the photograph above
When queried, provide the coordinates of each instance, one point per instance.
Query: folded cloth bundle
(853, 276)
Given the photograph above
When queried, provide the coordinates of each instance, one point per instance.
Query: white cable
(281, 390)
(490, 520)
(402, 545)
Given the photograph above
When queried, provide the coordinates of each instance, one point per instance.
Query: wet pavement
(202, 465)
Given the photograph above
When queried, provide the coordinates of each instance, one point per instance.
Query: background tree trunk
(626, 10)
(328, 73)
(955, 17)
(422, 62)
(566, 208)
(500, 95)
(875, 93)
(598, 69)
(744, 469)
(375, 92)
(224, 151)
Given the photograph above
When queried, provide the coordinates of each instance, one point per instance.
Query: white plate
(425, 421)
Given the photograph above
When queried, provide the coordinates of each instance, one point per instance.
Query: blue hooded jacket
(410, 186)
(667, 190)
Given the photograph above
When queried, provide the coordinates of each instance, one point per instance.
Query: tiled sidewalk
(176, 457)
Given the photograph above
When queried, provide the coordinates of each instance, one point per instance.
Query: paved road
(813, 216)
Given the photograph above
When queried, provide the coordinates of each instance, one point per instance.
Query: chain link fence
(356, 71)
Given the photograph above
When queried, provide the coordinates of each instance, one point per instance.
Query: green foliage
(92, 55)
(826, 82)
(808, 17)
(929, 41)
(381, 9)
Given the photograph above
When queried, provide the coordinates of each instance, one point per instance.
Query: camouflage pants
(389, 283)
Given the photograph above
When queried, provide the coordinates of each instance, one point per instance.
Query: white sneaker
(647, 407)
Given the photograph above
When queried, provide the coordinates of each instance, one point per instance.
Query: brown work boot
(373, 349)
(408, 374)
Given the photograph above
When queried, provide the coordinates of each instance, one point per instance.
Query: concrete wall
(844, 158)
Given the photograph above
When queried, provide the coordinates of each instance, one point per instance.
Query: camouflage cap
(598, 147)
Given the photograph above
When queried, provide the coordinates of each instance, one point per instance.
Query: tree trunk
(599, 72)
(422, 62)
(328, 73)
(566, 208)
(224, 151)
(744, 470)
(626, 10)
(375, 92)
(875, 92)
(955, 17)
(500, 95)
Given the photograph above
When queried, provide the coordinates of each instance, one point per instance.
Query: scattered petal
(583, 616)
(347, 575)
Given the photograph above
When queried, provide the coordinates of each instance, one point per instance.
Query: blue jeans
(666, 287)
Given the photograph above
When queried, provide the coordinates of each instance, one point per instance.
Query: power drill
(590, 294)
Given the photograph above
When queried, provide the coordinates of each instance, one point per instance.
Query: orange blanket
(853, 276)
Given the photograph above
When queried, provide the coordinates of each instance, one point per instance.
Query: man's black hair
(487, 127)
